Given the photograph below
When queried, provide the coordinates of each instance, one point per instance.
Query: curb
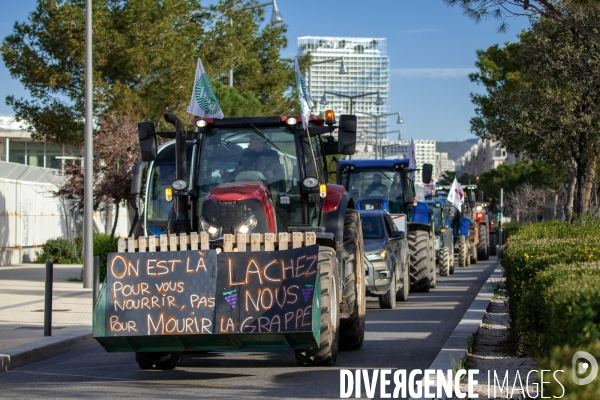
(44, 349)
(456, 346)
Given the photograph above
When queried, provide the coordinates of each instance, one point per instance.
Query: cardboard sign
(197, 292)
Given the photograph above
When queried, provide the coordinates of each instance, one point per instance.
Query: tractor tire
(432, 266)
(418, 247)
(158, 360)
(473, 255)
(388, 300)
(326, 354)
(402, 294)
(352, 329)
(451, 259)
(462, 252)
(493, 243)
(444, 262)
(483, 245)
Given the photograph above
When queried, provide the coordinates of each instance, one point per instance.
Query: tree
(542, 98)
(447, 178)
(555, 10)
(144, 57)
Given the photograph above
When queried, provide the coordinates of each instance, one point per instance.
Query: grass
(74, 280)
(497, 287)
(465, 362)
(472, 341)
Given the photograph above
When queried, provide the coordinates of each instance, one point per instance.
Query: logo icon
(204, 95)
(580, 368)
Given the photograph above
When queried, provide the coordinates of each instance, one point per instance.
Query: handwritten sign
(267, 292)
(200, 292)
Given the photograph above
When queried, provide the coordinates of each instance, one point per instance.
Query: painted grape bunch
(231, 298)
(307, 292)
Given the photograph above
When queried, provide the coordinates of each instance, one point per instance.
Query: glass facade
(38, 154)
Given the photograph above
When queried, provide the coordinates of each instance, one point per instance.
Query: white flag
(456, 195)
(204, 102)
(304, 96)
(412, 159)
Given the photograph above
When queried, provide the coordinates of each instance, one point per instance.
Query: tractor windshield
(266, 154)
(373, 183)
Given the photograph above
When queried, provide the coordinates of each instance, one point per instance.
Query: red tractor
(212, 194)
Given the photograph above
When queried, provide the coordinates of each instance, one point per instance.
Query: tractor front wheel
(444, 262)
(326, 354)
(493, 243)
(483, 245)
(462, 252)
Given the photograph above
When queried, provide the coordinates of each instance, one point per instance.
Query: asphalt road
(407, 337)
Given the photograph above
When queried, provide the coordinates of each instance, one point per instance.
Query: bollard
(96, 287)
(48, 299)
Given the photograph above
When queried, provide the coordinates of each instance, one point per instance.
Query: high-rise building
(424, 153)
(442, 164)
(367, 65)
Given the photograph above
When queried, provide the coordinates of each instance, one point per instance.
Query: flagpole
(312, 151)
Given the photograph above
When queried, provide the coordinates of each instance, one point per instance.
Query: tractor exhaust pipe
(182, 222)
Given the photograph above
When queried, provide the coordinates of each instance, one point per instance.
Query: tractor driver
(376, 186)
(258, 157)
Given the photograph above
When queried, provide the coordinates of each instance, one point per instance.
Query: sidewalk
(22, 314)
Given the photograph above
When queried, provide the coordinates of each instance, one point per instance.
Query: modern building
(442, 164)
(424, 153)
(367, 65)
(16, 146)
(484, 156)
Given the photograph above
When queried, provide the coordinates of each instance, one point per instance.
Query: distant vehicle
(387, 261)
(444, 236)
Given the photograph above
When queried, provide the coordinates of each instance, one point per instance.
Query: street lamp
(377, 116)
(384, 133)
(378, 101)
(343, 70)
(276, 18)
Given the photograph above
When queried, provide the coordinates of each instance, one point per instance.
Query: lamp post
(377, 116)
(343, 70)
(276, 18)
(383, 133)
(88, 178)
(378, 101)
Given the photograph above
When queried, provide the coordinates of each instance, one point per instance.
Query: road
(408, 337)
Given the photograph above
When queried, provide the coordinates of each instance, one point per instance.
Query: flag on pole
(456, 195)
(204, 102)
(412, 159)
(304, 96)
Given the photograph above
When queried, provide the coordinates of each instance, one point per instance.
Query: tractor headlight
(212, 230)
(376, 256)
(248, 225)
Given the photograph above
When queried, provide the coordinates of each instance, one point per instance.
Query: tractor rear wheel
(418, 247)
(493, 243)
(444, 262)
(462, 252)
(483, 245)
(158, 360)
(330, 316)
(352, 329)
(473, 255)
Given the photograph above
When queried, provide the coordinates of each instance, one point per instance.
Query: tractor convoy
(246, 246)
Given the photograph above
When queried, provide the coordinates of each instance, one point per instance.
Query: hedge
(561, 359)
(60, 251)
(103, 246)
(561, 306)
(531, 251)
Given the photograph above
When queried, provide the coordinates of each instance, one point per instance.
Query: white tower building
(367, 65)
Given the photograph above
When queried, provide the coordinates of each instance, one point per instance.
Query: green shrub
(103, 246)
(532, 250)
(59, 251)
(561, 359)
(560, 306)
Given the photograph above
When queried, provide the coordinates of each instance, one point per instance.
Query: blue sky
(431, 48)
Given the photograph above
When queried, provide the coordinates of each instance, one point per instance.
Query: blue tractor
(388, 185)
(444, 237)
(460, 224)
